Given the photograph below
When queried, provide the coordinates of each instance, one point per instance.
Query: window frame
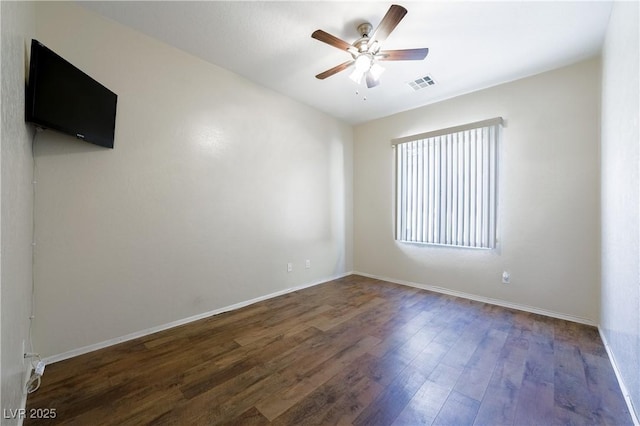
(493, 235)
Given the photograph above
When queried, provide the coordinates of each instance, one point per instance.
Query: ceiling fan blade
(330, 40)
(335, 70)
(371, 80)
(389, 22)
(402, 55)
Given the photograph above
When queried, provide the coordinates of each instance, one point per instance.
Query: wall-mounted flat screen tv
(63, 98)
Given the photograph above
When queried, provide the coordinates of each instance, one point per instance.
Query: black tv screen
(63, 98)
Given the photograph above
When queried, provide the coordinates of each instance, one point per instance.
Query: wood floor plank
(327, 322)
(478, 371)
(351, 351)
(569, 381)
(468, 343)
(458, 409)
(280, 402)
(535, 404)
(356, 388)
(313, 408)
(608, 404)
(251, 417)
(540, 361)
(393, 399)
(498, 405)
(425, 405)
(305, 320)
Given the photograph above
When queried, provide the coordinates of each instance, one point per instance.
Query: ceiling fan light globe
(363, 63)
(357, 75)
(376, 70)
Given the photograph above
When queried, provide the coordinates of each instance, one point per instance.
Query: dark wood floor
(351, 351)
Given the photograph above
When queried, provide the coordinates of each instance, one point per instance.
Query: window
(446, 186)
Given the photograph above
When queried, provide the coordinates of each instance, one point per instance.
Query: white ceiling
(473, 45)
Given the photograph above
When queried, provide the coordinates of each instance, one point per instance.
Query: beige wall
(621, 194)
(548, 212)
(213, 186)
(17, 22)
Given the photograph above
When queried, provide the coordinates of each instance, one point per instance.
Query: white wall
(213, 186)
(621, 194)
(17, 27)
(548, 196)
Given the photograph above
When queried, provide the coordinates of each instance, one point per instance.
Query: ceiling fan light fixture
(356, 76)
(364, 64)
(376, 71)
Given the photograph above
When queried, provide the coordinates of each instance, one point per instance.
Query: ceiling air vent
(421, 83)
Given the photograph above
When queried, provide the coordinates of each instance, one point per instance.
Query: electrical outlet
(289, 267)
(307, 263)
(506, 277)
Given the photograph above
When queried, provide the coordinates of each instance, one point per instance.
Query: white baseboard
(100, 345)
(623, 388)
(488, 300)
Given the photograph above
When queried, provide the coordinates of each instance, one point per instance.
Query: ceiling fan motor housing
(365, 29)
(362, 44)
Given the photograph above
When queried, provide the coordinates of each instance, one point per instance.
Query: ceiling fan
(365, 52)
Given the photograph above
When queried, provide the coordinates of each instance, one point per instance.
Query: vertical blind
(446, 186)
